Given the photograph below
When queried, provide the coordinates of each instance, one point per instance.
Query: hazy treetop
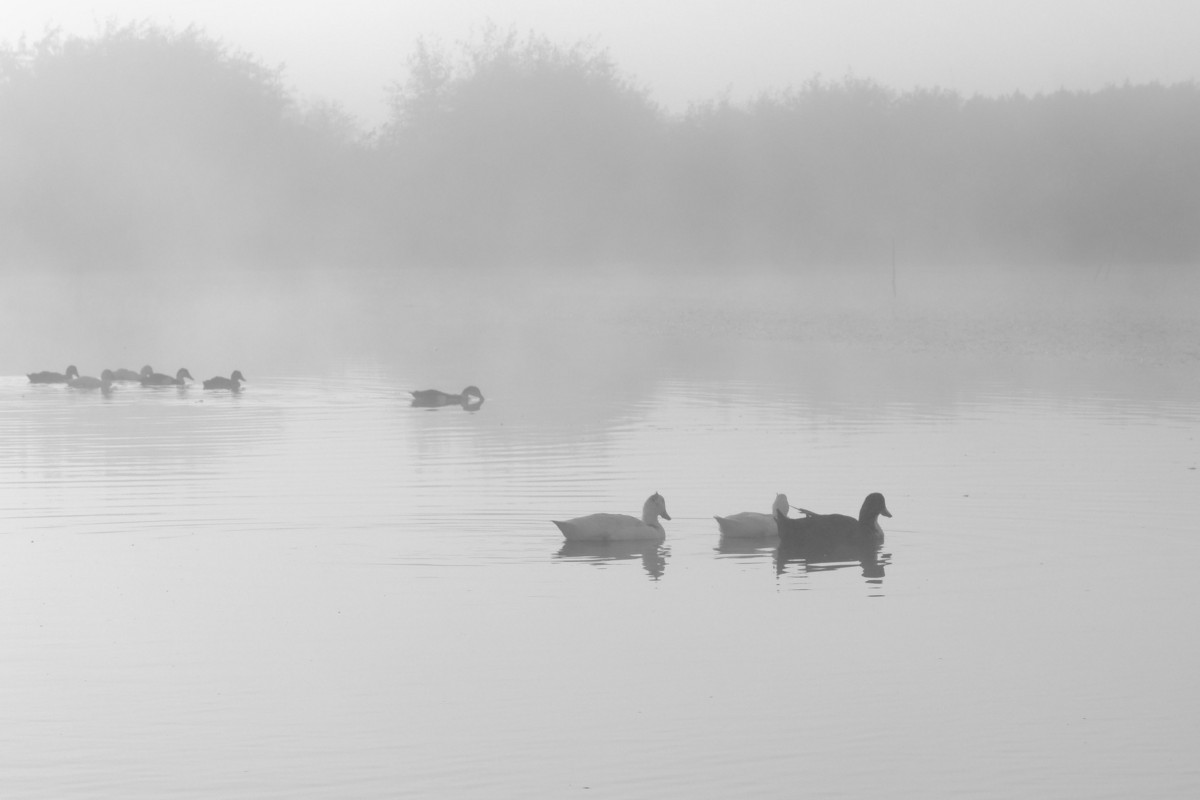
(149, 146)
(347, 52)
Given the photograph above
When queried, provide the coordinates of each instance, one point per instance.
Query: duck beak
(666, 516)
(885, 512)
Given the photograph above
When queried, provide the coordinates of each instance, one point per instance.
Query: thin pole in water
(893, 267)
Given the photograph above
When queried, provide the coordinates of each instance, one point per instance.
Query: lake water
(312, 589)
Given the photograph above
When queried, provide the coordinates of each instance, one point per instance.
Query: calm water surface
(313, 589)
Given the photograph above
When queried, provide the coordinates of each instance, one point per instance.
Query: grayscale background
(946, 251)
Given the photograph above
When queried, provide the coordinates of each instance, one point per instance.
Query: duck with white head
(618, 527)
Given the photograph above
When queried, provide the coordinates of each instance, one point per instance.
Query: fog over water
(320, 320)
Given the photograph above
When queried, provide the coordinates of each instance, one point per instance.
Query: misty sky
(688, 50)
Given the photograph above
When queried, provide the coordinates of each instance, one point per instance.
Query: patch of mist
(572, 339)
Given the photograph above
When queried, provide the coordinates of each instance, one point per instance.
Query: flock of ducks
(812, 528)
(146, 377)
(809, 528)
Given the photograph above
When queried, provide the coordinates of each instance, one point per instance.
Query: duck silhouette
(122, 374)
(618, 527)
(53, 377)
(158, 379)
(834, 539)
(470, 397)
(836, 527)
(233, 382)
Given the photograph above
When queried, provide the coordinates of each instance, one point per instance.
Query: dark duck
(123, 374)
(834, 538)
(836, 527)
(158, 379)
(54, 377)
(233, 383)
(470, 397)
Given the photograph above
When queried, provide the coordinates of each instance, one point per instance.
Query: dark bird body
(233, 382)
(128, 374)
(432, 398)
(158, 379)
(834, 538)
(836, 527)
(53, 377)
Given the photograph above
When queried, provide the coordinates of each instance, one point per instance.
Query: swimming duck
(158, 379)
(128, 374)
(753, 524)
(615, 527)
(88, 382)
(432, 397)
(54, 377)
(831, 527)
(233, 382)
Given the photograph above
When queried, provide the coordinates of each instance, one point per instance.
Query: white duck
(752, 524)
(618, 527)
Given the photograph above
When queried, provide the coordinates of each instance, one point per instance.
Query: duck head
(872, 508)
(654, 508)
(183, 373)
(780, 505)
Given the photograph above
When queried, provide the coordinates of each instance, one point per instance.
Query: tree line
(150, 147)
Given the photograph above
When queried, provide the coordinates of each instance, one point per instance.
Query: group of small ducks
(146, 377)
(810, 527)
(745, 525)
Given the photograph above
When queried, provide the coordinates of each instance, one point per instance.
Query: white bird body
(618, 527)
(753, 524)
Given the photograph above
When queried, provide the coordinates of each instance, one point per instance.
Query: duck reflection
(823, 556)
(834, 539)
(470, 398)
(738, 546)
(652, 552)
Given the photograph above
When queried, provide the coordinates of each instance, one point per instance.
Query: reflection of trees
(653, 554)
